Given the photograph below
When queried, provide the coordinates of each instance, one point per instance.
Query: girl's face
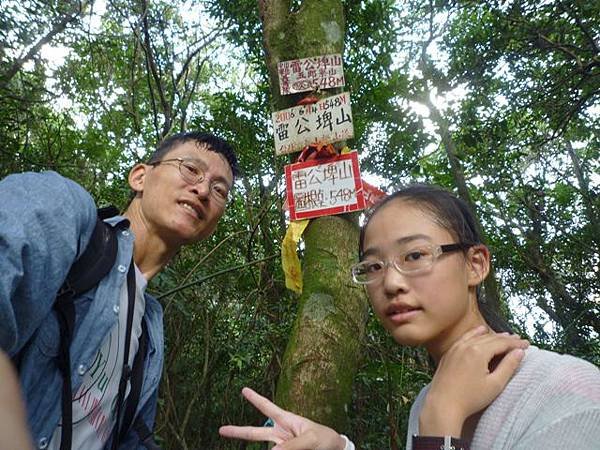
(432, 308)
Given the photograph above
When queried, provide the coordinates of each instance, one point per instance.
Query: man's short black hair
(206, 140)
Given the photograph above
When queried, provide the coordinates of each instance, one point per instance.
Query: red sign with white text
(324, 187)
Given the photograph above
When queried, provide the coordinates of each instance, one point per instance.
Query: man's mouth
(192, 208)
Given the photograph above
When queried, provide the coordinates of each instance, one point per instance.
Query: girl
(422, 262)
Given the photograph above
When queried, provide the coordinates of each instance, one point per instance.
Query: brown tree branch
(57, 28)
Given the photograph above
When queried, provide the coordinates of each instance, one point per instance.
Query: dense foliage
(499, 101)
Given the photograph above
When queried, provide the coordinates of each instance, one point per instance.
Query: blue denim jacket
(46, 222)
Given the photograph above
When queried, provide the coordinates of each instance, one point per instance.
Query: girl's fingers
(264, 405)
(507, 367)
(495, 344)
(249, 433)
(305, 441)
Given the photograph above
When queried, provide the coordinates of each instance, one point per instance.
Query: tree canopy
(498, 101)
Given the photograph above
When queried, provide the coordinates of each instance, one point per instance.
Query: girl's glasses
(418, 259)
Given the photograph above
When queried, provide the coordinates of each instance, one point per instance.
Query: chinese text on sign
(329, 120)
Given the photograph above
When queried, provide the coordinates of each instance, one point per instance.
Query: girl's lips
(403, 316)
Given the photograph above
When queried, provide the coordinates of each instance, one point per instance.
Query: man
(45, 224)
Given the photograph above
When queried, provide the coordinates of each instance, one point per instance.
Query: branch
(151, 64)
(580, 24)
(214, 275)
(192, 55)
(56, 29)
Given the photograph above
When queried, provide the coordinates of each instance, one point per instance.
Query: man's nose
(202, 188)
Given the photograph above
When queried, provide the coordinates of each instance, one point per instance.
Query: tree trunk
(584, 189)
(323, 350)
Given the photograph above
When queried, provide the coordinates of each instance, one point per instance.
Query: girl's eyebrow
(403, 240)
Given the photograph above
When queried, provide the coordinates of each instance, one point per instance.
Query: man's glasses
(192, 173)
(417, 259)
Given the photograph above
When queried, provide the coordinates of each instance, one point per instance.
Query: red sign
(373, 195)
(324, 187)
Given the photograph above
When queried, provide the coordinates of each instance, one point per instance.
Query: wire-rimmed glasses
(192, 173)
(418, 259)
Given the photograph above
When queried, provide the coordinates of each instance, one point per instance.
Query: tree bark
(584, 188)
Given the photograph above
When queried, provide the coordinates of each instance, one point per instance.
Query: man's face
(176, 210)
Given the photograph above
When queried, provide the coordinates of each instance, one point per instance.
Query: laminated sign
(308, 74)
(324, 187)
(329, 120)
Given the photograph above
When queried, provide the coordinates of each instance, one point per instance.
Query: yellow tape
(289, 255)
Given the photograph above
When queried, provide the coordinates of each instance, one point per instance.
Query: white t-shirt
(94, 403)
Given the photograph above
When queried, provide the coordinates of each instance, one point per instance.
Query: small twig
(214, 275)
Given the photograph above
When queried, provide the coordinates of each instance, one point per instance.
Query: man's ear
(137, 177)
(478, 264)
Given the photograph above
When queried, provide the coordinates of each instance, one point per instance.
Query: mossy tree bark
(323, 349)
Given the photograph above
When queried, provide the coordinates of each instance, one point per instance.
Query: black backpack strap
(65, 311)
(92, 266)
(137, 380)
(107, 212)
(145, 434)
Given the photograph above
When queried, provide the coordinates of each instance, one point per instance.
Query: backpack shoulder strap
(145, 435)
(107, 212)
(92, 266)
(136, 380)
(94, 263)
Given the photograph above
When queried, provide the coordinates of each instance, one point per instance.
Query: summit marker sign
(329, 120)
(308, 74)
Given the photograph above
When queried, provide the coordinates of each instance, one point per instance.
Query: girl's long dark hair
(450, 213)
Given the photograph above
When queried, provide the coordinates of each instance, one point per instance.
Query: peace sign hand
(290, 431)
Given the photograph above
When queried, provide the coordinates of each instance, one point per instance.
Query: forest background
(498, 101)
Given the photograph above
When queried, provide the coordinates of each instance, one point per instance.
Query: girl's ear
(478, 264)
(137, 176)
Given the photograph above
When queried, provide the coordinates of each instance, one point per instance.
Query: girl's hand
(290, 431)
(464, 383)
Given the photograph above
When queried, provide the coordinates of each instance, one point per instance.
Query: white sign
(327, 121)
(308, 74)
(324, 187)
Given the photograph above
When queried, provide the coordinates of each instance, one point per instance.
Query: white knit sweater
(552, 402)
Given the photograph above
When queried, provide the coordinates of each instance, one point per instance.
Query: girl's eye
(373, 267)
(413, 256)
